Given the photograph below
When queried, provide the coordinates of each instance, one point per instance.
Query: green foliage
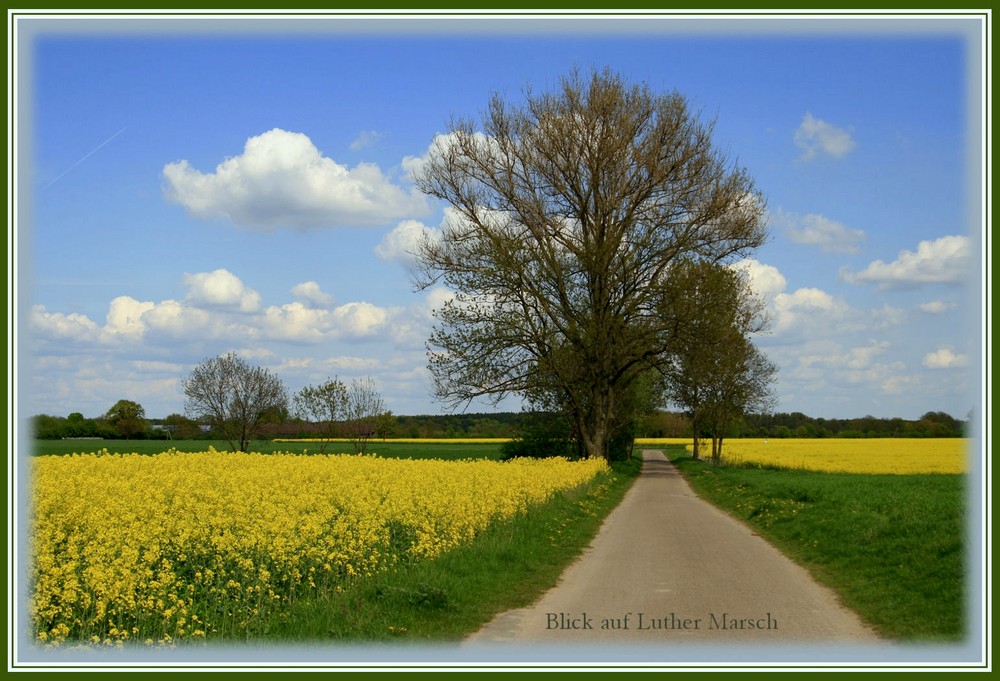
(542, 434)
(128, 418)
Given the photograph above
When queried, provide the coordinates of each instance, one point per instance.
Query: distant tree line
(797, 424)
(503, 425)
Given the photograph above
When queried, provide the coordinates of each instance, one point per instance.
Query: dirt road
(667, 566)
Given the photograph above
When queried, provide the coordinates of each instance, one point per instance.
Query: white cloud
(944, 358)
(809, 311)
(765, 280)
(257, 353)
(222, 288)
(124, 318)
(176, 319)
(442, 145)
(942, 261)
(299, 323)
(310, 293)
(156, 366)
(350, 364)
(282, 180)
(816, 230)
(56, 325)
(895, 385)
(936, 307)
(815, 136)
(808, 300)
(402, 242)
(360, 319)
(365, 139)
(296, 322)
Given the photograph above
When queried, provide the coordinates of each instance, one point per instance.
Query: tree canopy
(566, 215)
(234, 396)
(127, 417)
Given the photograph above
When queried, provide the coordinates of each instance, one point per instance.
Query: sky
(188, 188)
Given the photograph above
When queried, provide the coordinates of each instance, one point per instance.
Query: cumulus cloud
(310, 293)
(944, 358)
(443, 145)
(282, 180)
(809, 312)
(815, 136)
(296, 322)
(942, 261)
(221, 288)
(402, 242)
(300, 323)
(360, 319)
(124, 318)
(219, 307)
(765, 280)
(176, 319)
(816, 230)
(805, 308)
(56, 325)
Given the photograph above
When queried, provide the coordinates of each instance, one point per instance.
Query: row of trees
(126, 419)
(797, 424)
(228, 398)
(513, 424)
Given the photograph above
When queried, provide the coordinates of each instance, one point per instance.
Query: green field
(891, 546)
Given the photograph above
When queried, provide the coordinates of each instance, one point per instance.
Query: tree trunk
(694, 449)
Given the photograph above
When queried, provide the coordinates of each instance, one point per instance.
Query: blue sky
(193, 187)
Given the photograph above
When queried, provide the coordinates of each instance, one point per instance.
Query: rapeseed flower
(177, 546)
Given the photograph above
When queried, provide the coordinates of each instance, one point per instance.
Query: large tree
(565, 215)
(128, 418)
(234, 396)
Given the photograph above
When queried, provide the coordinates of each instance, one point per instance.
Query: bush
(620, 445)
(538, 447)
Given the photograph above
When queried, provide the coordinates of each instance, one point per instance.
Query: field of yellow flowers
(903, 456)
(181, 546)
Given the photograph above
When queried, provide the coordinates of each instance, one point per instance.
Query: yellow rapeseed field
(903, 456)
(180, 546)
(404, 440)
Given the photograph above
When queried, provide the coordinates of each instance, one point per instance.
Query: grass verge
(891, 546)
(508, 566)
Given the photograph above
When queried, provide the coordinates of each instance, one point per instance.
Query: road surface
(669, 567)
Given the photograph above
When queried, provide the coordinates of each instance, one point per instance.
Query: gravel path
(669, 567)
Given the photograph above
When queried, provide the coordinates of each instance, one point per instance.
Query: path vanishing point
(666, 567)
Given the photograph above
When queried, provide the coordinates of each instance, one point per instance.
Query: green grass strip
(891, 546)
(509, 566)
